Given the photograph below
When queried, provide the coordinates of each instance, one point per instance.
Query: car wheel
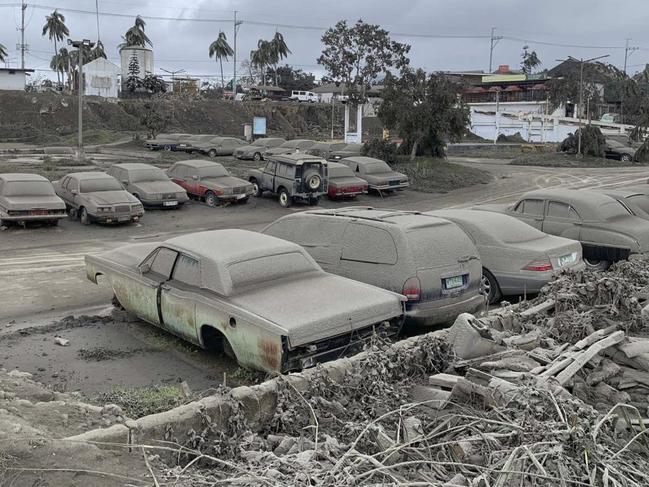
(313, 181)
(211, 153)
(211, 199)
(167, 148)
(625, 158)
(73, 214)
(314, 200)
(256, 188)
(257, 157)
(84, 218)
(284, 198)
(597, 265)
(490, 287)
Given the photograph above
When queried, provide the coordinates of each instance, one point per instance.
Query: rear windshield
(103, 184)
(153, 174)
(377, 168)
(641, 201)
(28, 188)
(612, 209)
(212, 172)
(509, 230)
(340, 172)
(439, 245)
(268, 268)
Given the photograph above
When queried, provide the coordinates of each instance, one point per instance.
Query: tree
(424, 109)
(357, 55)
(261, 57)
(56, 30)
(294, 79)
(278, 51)
(153, 119)
(154, 84)
(135, 36)
(3, 53)
(98, 51)
(530, 60)
(219, 50)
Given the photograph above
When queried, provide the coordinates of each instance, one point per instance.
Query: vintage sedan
(149, 184)
(167, 142)
(343, 183)
(607, 230)
(27, 198)
(379, 176)
(517, 259)
(98, 197)
(324, 149)
(619, 151)
(260, 299)
(636, 199)
(291, 147)
(255, 151)
(349, 150)
(210, 182)
(216, 146)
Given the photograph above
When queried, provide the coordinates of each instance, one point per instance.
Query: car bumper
(234, 197)
(345, 194)
(166, 203)
(437, 312)
(31, 218)
(517, 283)
(117, 218)
(386, 187)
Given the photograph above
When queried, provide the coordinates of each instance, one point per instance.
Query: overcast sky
(183, 44)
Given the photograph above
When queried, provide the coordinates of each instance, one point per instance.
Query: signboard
(259, 126)
(353, 138)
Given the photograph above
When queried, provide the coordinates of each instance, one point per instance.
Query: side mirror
(144, 268)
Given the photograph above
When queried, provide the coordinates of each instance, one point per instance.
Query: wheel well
(213, 339)
(280, 188)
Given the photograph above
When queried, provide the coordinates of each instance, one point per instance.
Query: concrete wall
(12, 80)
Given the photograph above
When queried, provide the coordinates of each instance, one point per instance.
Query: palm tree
(279, 50)
(135, 36)
(3, 53)
(98, 51)
(55, 29)
(61, 63)
(220, 49)
(262, 57)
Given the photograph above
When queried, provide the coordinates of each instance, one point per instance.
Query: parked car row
(211, 145)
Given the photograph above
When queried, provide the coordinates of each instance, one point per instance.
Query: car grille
(169, 196)
(239, 190)
(123, 208)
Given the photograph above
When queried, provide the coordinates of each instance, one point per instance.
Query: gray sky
(183, 44)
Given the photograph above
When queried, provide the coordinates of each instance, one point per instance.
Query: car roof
(297, 159)
(620, 192)
(405, 219)
(571, 196)
(364, 160)
(198, 163)
(131, 166)
(486, 220)
(231, 245)
(89, 175)
(17, 176)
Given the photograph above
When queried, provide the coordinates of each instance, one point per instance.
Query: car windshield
(377, 168)
(259, 143)
(28, 188)
(212, 172)
(612, 209)
(269, 268)
(103, 184)
(153, 174)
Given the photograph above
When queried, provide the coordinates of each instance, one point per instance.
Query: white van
(304, 96)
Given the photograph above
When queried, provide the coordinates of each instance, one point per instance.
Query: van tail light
(539, 266)
(412, 289)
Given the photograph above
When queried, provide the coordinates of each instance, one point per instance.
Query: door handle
(578, 223)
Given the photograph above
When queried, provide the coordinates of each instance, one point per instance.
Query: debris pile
(553, 392)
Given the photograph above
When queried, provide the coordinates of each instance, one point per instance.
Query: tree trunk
(222, 78)
(413, 152)
(58, 74)
(276, 75)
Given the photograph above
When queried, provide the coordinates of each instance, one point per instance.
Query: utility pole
(494, 43)
(628, 50)
(237, 23)
(23, 7)
(80, 45)
(581, 93)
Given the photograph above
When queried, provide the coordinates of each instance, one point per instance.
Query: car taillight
(412, 289)
(539, 266)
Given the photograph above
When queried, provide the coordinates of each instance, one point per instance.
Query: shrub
(592, 142)
(380, 149)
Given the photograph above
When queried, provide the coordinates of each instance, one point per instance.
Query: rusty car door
(178, 299)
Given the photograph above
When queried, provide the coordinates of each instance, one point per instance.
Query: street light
(80, 45)
(581, 62)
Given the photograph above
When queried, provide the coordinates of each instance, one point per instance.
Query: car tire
(256, 157)
(167, 148)
(84, 218)
(625, 158)
(73, 214)
(314, 200)
(212, 153)
(490, 287)
(313, 181)
(597, 265)
(53, 223)
(258, 192)
(285, 199)
(211, 200)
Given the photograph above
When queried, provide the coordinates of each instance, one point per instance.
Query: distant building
(330, 91)
(144, 58)
(14, 79)
(101, 78)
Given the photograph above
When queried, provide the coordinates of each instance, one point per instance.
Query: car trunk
(30, 203)
(320, 306)
(557, 250)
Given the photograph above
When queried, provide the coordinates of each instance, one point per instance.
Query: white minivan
(304, 96)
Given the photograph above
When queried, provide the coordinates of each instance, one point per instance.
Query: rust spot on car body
(271, 354)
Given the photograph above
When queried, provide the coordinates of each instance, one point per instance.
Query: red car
(210, 182)
(343, 183)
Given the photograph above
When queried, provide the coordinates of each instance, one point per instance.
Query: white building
(101, 78)
(14, 79)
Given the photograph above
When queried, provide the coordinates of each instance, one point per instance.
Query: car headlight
(137, 207)
(104, 209)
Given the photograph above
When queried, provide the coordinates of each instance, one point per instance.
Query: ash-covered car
(256, 150)
(210, 182)
(607, 230)
(635, 198)
(343, 183)
(349, 150)
(262, 300)
(98, 197)
(324, 149)
(167, 142)
(379, 175)
(517, 259)
(618, 150)
(149, 184)
(29, 198)
(216, 146)
(294, 146)
(293, 177)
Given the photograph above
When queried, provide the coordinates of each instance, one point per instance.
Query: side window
(187, 271)
(270, 167)
(362, 243)
(175, 171)
(72, 185)
(531, 207)
(561, 210)
(163, 262)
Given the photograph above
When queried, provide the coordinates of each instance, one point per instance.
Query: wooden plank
(544, 307)
(583, 358)
(446, 381)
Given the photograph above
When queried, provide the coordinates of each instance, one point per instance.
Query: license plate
(395, 183)
(169, 203)
(453, 282)
(565, 260)
(125, 218)
(241, 196)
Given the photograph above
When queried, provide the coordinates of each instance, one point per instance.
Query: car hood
(224, 182)
(111, 197)
(157, 187)
(320, 305)
(385, 177)
(128, 255)
(52, 202)
(280, 150)
(496, 208)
